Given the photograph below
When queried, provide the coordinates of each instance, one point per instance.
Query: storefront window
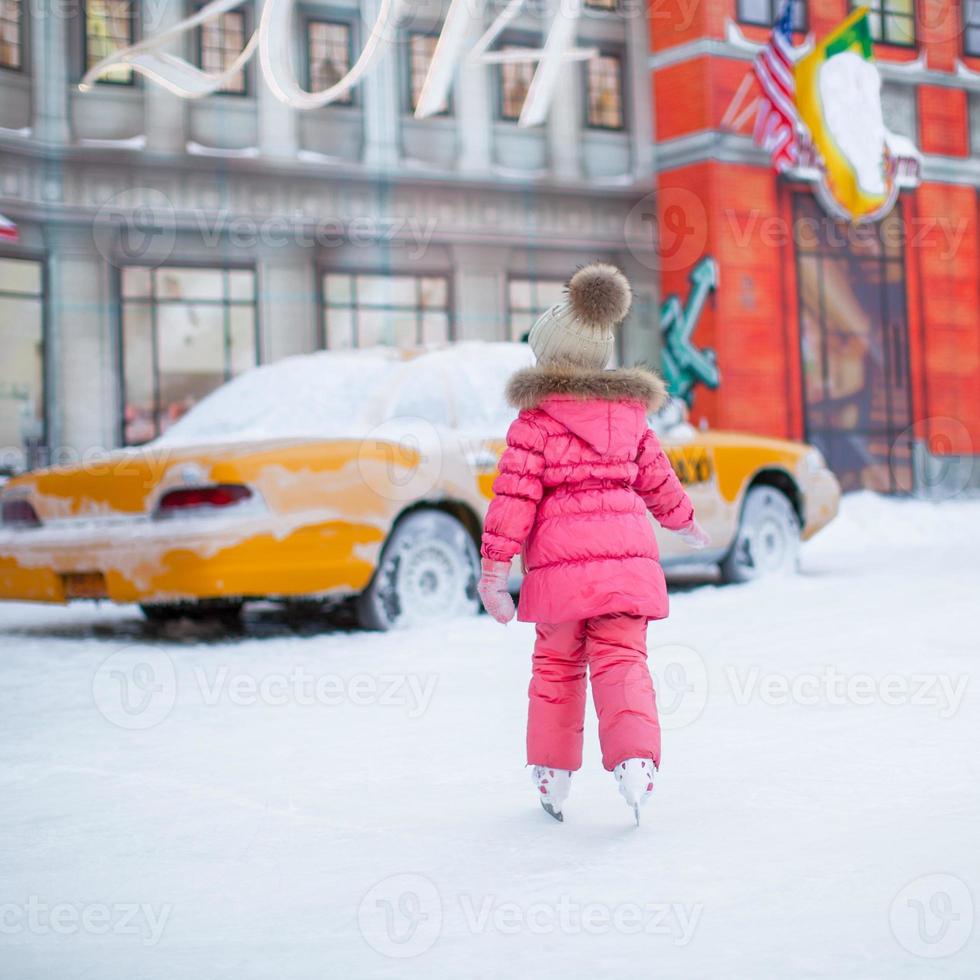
(22, 363)
(109, 25)
(528, 299)
(221, 42)
(396, 311)
(891, 21)
(11, 37)
(604, 83)
(328, 55)
(765, 12)
(185, 331)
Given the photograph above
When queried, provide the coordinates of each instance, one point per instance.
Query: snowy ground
(347, 806)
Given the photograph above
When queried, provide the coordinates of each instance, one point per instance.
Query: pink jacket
(580, 472)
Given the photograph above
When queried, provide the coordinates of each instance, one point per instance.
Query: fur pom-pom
(599, 295)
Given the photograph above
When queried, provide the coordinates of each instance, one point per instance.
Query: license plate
(85, 585)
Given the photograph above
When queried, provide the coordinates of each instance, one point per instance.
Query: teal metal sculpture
(683, 364)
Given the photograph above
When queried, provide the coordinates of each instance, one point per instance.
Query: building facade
(862, 338)
(165, 245)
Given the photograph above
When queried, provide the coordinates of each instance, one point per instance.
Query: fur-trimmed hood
(530, 386)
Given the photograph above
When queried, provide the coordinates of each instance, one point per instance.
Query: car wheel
(428, 571)
(227, 612)
(768, 539)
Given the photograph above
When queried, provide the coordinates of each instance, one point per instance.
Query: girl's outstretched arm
(659, 488)
(517, 491)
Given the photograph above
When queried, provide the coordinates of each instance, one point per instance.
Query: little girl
(579, 474)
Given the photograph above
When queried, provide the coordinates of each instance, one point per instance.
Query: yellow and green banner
(838, 97)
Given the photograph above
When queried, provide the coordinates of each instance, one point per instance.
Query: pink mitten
(493, 590)
(695, 536)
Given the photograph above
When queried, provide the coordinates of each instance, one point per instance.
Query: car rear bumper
(140, 560)
(821, 501)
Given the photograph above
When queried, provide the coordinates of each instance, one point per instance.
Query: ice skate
(553, 787)
(635, 779)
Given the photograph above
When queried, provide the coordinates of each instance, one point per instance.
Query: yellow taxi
(354, 478)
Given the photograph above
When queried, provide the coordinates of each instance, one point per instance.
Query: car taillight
(19, 513)
(192, 498)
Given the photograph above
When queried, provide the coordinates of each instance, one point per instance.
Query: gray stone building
(165, 245)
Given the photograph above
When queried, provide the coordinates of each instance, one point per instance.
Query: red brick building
(863, 339)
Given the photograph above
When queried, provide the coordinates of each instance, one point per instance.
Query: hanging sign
(818, 115)
(860, 164)
(274, 40)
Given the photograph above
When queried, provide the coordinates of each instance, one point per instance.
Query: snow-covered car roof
(343, 394)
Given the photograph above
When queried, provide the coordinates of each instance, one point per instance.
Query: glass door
(854, 338)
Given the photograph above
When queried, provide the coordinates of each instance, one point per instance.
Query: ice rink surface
(304, 805)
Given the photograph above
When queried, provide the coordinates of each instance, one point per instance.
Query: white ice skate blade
(552, 812)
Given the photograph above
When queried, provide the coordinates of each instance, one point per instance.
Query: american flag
(8, 230)
(777, 123)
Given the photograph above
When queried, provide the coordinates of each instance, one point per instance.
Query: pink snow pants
(613, 648)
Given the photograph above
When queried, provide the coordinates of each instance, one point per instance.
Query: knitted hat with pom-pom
(579, 330)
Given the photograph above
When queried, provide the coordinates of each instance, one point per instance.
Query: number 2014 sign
(272, 38)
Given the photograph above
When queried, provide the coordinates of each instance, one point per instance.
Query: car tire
(768, 538)
(428, 571)
(227, 612)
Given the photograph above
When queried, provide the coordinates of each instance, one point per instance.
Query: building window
(109, 25)
(421, 48)
(891, 21)
(185, 332)
(515, 80)
(971, 27)
(527, 299)
(899, 110)
(11, 34)
(22, 363)
(604, 88)
(328, 55)
(220, 42)
(396, 311)
(765, 12)
(973, 110)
